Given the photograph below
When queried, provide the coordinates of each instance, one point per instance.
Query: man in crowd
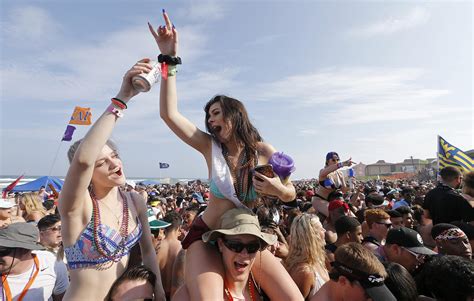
(396, 218)
(450, 240)
(407, 216)
(348, 229)
(378, 222)
(169, 249)
(408, 195)
(356, 275)
(405, 247)
(444, 204)
(34, 275)
(50, 232)
(5, 212)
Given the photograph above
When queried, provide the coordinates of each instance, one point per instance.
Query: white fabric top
(52, 279)
(221, 176)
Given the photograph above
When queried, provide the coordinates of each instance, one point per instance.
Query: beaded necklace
(99, 241)
(251, 290)
(240, 179)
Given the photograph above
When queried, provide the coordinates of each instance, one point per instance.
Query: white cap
(5, 204)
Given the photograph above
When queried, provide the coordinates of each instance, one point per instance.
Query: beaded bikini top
(100, 244)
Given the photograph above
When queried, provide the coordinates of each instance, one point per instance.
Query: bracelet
(169, 60)
(172, 70)
(119, 103)
(339, 165)
(117, 112)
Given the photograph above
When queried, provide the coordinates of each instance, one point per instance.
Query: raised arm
(167, 39)
(79, 175)
(330, 168)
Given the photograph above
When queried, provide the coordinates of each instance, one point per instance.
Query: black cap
(373, 284)
(408, 238)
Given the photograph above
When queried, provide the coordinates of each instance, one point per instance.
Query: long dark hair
(234, 110)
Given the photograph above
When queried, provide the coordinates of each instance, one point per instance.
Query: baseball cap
(198, 197)
(376, 200)
(309, 193)
(333, 205)
(373, 284)
(131, 183)
(5, 204)
(409, 239)
(20, 235)
(155, 223)
(330, 155)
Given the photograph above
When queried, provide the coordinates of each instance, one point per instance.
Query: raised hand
(166, 36)
(127, 90)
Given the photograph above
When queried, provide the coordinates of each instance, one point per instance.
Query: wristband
(339, 165)
(172, 70)
(119, 103)
(117, 112)
(169, 60)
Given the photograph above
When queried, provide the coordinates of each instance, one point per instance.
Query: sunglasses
(54, 229)
(237, 246)
(418, 257)
(5, 251)
(386, 225)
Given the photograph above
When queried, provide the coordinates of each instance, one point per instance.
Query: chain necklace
(251, 291)
(117, 217)
(99, 241)
(239, 173)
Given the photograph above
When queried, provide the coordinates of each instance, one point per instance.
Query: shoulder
(265, 149)
(137, 199)
(46, 259)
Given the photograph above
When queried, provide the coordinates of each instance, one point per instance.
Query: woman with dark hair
(100, 223)
(232, 148)
(331, 179)
(400, 282)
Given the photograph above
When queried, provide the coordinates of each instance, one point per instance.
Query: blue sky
(372, 80)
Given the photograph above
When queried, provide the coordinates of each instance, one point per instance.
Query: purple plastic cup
(283, 165)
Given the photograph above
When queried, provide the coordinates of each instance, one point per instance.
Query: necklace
(99, 241)
(239, 173)
(117, 217)
(251, 291)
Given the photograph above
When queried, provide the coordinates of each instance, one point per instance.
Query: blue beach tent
(35, 185)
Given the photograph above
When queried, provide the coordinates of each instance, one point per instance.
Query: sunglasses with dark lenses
(5, 251)
(237, 246)
(386, 225)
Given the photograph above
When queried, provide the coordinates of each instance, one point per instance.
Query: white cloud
(203, 11)
(390, 25)
(29, 25)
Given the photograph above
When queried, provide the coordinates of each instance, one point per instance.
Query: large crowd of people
(248, 233)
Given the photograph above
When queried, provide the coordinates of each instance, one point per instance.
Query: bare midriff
(92, 284)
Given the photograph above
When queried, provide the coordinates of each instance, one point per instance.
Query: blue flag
(68, 133)
(449, 155)
(164, 165)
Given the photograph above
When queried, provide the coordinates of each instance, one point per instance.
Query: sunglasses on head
(5, 251)
(386, 224)
(237, 246)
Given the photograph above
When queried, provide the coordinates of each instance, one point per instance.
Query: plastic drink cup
(283, 165)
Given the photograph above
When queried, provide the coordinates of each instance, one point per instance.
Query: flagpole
(52, 164)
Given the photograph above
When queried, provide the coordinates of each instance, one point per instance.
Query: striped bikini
(84, 252)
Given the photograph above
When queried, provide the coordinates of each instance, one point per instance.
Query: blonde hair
(306, 246)
(32, 203)
(375, 215)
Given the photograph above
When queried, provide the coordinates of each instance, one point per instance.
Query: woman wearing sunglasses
(232, 148)
(331, 179)
(100, 222)
(239, 241)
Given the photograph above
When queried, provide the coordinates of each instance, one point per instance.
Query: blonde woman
(306, 260)
(32, 207)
